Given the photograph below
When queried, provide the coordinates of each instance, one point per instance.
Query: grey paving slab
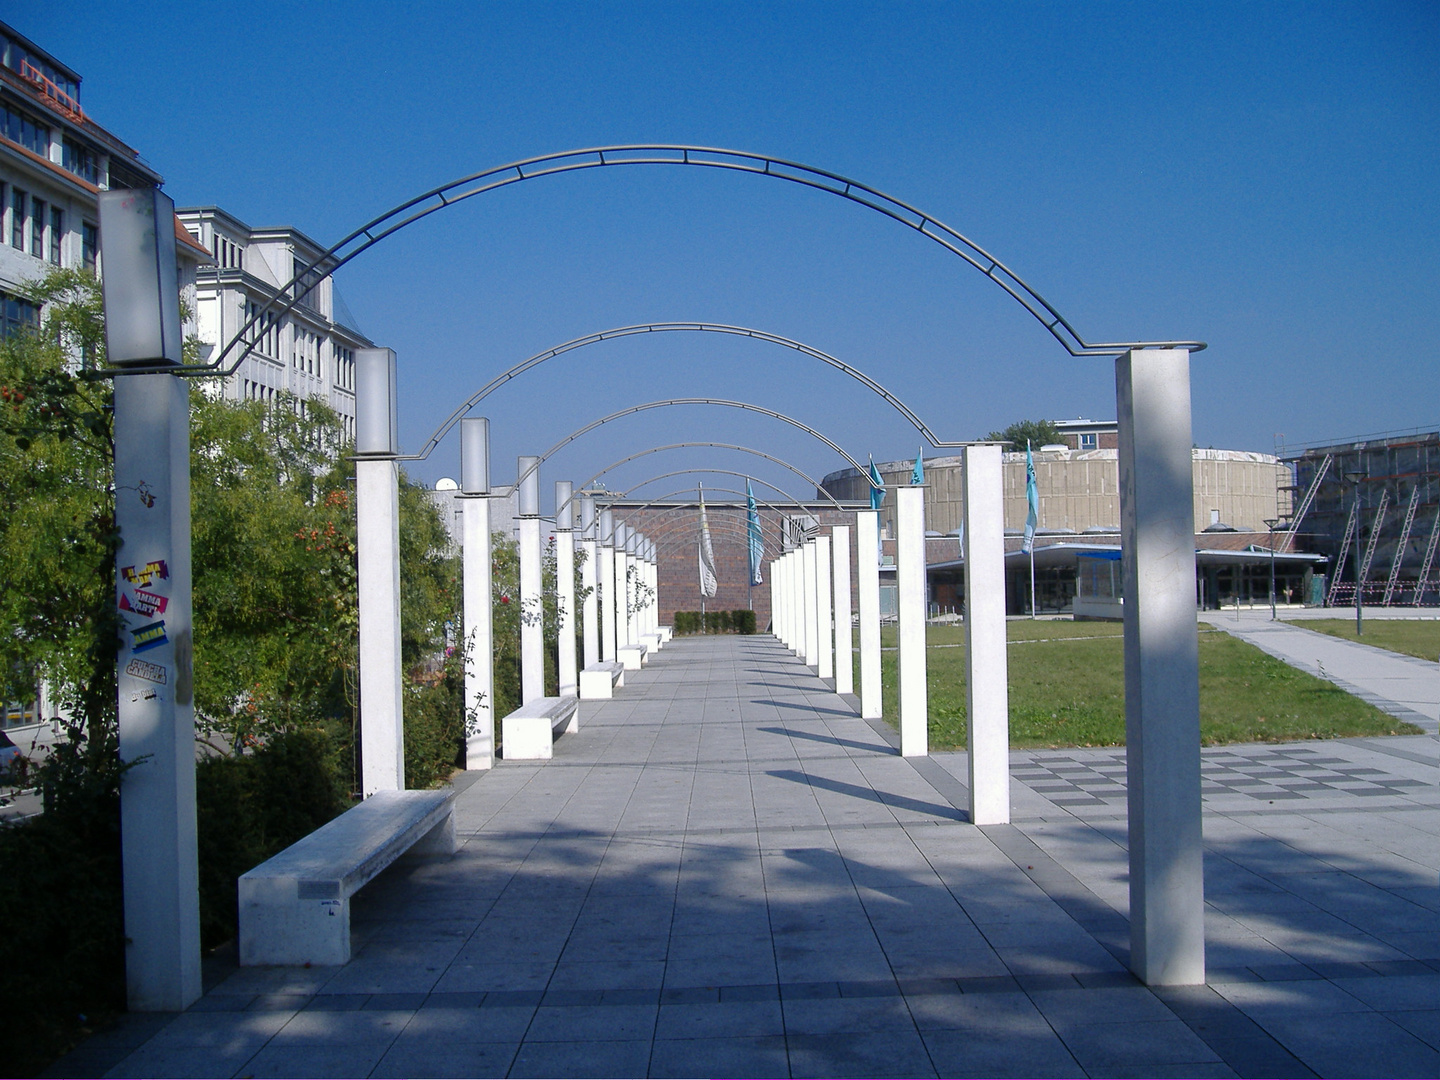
(726, 872)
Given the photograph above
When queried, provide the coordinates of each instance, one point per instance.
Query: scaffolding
(1400, 545)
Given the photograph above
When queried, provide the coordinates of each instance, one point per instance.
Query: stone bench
(295, 907)
(652, 642)
(528, 733)
(666, 633)
(632, 656)
(598, 681)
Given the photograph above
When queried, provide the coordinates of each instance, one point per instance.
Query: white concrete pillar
(774, 588)
(652, 578)
(569, 673)
(867, 576)
(910, 624)
(606, 601)
(812, 622)
(622, 586)
(1162, 697)
(632, 587)
(377, 523)
(779, 595)
(844, 636)
(589, 579)
(532, 598)
(478, 590)
(155, 670)
(824, 617)
(988, 691)
(156, 688)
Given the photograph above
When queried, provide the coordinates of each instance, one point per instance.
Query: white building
(54, 162)
(310, 351)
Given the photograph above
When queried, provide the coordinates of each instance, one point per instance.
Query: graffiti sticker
(149, 636)
(144, 603)
(142, 576)
(143, 669)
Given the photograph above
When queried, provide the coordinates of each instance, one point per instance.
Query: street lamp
(1354, 479)
(1270, 524)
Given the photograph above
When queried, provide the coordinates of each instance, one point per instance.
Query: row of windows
(253, 391)
(16, 315)
(305, 347)
(265, 333)
(305, 352)
(228, 254)
(33, 226)
(24, 129)
(13, 54)
(344, 367)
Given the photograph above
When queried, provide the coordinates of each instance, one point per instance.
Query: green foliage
(739, 621)
(253, 806)
(1038, 432)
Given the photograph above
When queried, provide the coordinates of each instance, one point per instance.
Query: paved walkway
(726, 872)
(1402, 686)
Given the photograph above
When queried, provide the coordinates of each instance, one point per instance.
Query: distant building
(54, 162)
(1397, 480)
(310, 352)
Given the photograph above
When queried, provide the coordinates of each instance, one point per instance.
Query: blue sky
(1258, 176)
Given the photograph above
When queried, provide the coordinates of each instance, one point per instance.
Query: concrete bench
(295, 907)
(598, 681)
(528, 733)
(666, 633)
(652, 642)
(632, 656)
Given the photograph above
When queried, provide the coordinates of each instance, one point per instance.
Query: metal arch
(652, 328)
(659, 500)
(700, 469)
(691, 445)
(466, 187)
(633, 409)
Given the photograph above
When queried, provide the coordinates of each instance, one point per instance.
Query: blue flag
(1032, 498)
(917, 475)
(877, 487)
(752, 525)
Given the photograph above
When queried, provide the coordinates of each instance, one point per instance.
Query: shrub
(743, 620)
(252, 807)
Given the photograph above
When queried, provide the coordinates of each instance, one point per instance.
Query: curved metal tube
(581, 489)
(467, 187)
(654, 328)
(687, 401)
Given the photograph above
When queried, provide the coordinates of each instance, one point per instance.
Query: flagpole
(1032, 581)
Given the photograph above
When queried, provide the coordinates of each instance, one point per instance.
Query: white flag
(708, 583)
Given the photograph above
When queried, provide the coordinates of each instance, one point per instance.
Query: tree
(1038, 432)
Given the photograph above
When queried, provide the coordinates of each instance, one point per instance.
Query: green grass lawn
(1413, 637)
(1067, 688)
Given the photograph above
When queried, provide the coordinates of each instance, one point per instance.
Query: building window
(17, 218)
(17, 315)
(57, 234)
(89, 245)
(265, 332)
(227, 253)
(80, 161)
(1089, 441)
(37, 228)
(25, 130)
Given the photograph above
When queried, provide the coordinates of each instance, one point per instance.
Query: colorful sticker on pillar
(149, 636)
(142, 576)
(145, 603)
(143, 669)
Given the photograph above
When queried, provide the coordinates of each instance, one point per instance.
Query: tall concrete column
(824, 617)
(607, 587)
(589, 579)
(812, 614)
(633, 590)
(622, 586)
(910, 623)
(652, 578)
(779, 597)
(377, 524)
(774, 588)
(477, 576)
(156, 684)
(155, 673)
(867, 575)
(844, 636)
(988, 692)
(532, 599)
(569, 674)
(1162, 697)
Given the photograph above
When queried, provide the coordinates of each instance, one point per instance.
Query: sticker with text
(143, 669)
